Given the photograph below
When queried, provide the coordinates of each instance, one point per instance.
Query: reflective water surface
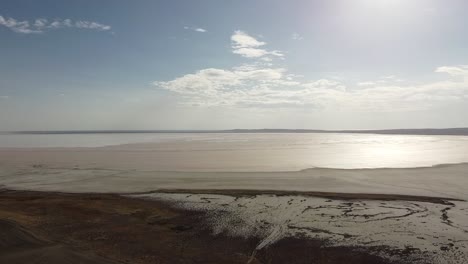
(280, 151)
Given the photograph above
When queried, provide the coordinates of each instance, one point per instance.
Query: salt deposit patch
(431, 232)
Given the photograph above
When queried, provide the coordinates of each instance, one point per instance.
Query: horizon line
(420, 131)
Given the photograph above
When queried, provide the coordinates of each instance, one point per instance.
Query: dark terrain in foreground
(38, 227)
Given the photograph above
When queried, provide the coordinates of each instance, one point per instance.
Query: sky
(210, 64)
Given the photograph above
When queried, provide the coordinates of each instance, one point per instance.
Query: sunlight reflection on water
(282, 150)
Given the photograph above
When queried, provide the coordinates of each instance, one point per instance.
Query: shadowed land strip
(328, 195)
(19, 245)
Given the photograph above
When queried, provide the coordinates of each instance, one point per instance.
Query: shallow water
(257, 151)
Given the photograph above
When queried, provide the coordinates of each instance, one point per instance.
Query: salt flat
(209, 175)
(443, 180)
(419, 232)
(413, 231)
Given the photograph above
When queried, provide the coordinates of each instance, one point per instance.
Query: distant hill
(463, 131)
(420, 131)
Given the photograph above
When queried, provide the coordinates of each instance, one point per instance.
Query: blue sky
(332, 64)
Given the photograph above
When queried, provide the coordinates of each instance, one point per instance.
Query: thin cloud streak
(42, 25)
(196, 29)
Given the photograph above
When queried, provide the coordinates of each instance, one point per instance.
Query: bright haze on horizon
(335, 64)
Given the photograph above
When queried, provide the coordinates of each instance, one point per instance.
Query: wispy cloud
(461, 70)
(367, 83)
(249, 47)
(196, 29)
(262, 84)
(42, 25)
(257, 86)
(4, 97)
(296, 36)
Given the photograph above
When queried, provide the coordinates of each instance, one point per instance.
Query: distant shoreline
(462, 131)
